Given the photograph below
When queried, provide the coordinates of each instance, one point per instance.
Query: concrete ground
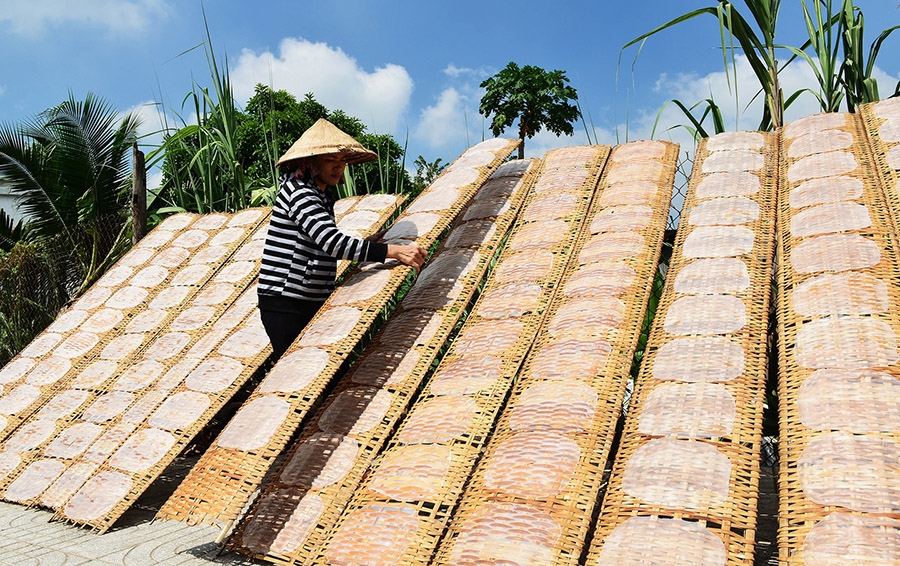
(29, 538)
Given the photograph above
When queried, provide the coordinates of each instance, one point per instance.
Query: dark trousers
(284, 321)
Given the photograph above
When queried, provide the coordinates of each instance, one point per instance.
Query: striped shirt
(303, 244)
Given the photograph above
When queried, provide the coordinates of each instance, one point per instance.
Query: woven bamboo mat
(220, 485)
(79, 329)
(332, 453)
(86, 415)
(882, 124)
(686, 471)
(839, 490)
(403, 506)
(110, 323)
(363, 216)
(207, 349)
(544, 464)
(223, 352)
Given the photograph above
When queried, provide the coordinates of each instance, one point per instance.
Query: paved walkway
(29, 538)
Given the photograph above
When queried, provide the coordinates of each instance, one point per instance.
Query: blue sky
(411, 69)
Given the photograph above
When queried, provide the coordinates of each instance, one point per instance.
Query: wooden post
(138, 196)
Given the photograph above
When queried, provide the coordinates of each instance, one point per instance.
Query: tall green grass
(834, 50)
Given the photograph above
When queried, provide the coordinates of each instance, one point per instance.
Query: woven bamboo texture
(23, 393)
(221, 355)
(326, 463)
(101, 329)
(221, 484)
(80, 421)
(364, 215)
(839, 487)
(214, 331)
(403, 506)
(543, 467)
(684, 483)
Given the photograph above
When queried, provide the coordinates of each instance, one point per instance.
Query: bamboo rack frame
(380, 369)
(473, 414)
(664, 509)
(848, 499)
(566, 501)
(221, 484)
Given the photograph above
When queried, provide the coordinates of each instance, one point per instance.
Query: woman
(303, 244)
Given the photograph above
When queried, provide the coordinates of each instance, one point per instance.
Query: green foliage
(695, 127)
(32, 291)
(860, 86)
(426, 172)
(225, 162)
(536, 98)
(197, 179)
(756, 43)
(834, 51)
(387, 174)
(11, 232)
(272, 122)
(823, 40)
(70, 169)
(202, 170)
(838, 59)
(270, 126)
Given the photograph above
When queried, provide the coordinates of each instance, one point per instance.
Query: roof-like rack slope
(685, 480)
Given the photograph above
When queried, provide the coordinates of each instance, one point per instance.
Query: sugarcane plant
(834, 50)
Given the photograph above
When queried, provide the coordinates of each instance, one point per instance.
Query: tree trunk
(138, 197)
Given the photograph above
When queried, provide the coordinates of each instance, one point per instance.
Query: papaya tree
(535, 97)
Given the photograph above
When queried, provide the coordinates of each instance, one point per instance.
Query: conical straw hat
(323, 138)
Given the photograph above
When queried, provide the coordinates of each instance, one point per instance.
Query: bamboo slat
(30, 379)
(116, 319)
(221, 484)
(363, 216)
(839, 391)
(390, 520)
(162, 397)
(544, 465)
(327, 462)
(684, 483)
(93, 406)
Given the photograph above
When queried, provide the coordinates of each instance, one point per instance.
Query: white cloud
(28, 17)
(741, 105)
(736, 98)
(154, 179)
(379, 98)
(453, 124)
(153, 122)
(455, 72)
(444, 123)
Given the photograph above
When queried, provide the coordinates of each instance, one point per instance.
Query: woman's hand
(411, 254)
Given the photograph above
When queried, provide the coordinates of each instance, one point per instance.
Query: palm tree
(71, 170)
